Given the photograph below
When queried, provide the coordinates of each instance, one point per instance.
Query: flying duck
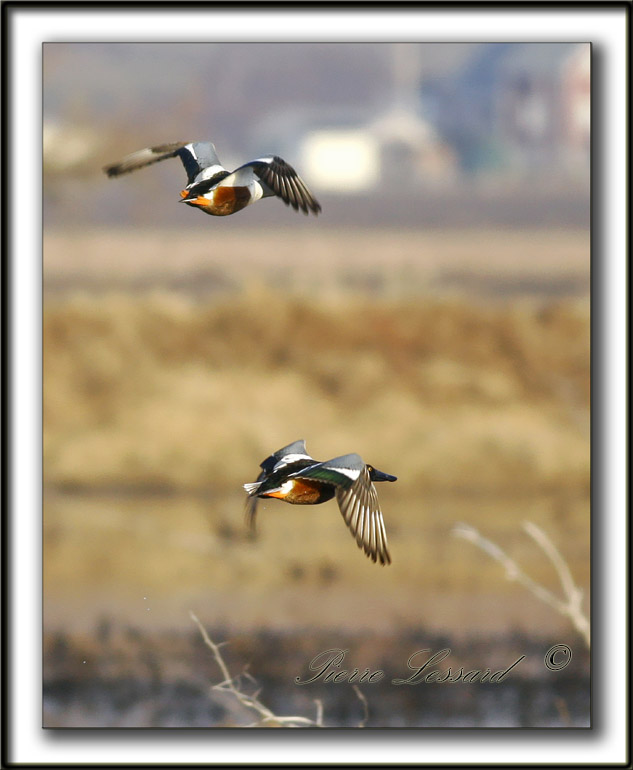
(216, 191)
(290, 474)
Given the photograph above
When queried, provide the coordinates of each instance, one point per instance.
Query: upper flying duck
(216, 191)
(290, 474)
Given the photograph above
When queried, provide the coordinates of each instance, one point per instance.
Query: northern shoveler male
(290, 474)
(216, 191)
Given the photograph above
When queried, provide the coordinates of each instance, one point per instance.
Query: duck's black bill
(380, 476)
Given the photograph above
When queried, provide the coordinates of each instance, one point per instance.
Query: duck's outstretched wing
(195, 157)
(283, 181)
(357, 501)
(285, 456)
(361, 511)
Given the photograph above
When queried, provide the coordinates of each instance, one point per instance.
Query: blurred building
(516, 107)
(396, 150)
(389, 147)
(544, 103)
(576, 90)
(508, 111)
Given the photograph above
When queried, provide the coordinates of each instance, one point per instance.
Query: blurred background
(434, 319)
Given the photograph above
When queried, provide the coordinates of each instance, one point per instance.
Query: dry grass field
(457, 361)
(162, 390)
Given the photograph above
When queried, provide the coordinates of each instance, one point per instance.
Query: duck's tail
(252, 487)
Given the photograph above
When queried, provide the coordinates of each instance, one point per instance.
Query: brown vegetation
(163, 390)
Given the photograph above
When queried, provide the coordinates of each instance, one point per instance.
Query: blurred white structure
(341, 160)
(398, 148)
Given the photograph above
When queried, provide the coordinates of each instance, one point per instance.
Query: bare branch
(252, 702)
(363, 700)
(570, 606)
(319, 714)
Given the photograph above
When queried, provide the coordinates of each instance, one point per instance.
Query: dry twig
(569, 606)
(363, 700)
(231, 684)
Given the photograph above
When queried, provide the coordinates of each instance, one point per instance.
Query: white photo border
(26, 27)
